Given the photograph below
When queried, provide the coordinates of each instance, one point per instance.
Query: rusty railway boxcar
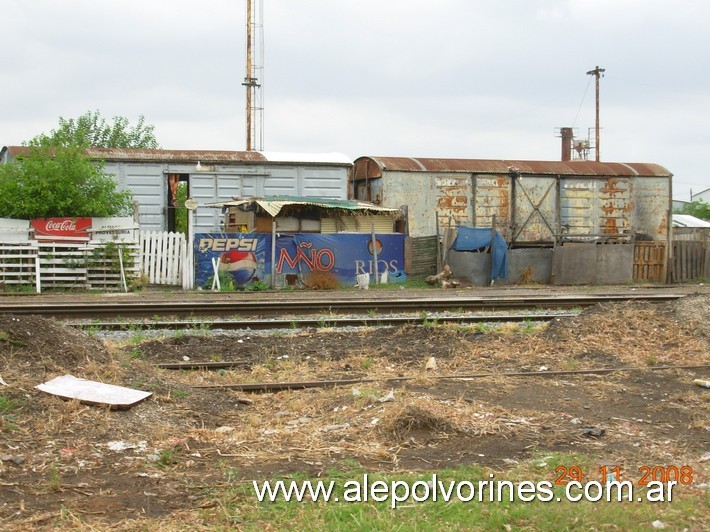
(533, 204)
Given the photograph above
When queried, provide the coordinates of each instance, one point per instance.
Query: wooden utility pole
(597, 73)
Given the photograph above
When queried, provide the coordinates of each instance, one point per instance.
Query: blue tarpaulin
(472, 239)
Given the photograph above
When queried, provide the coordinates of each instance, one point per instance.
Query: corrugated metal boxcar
(533, 201)
(211, 176)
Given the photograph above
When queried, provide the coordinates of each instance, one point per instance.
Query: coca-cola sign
(61, 229)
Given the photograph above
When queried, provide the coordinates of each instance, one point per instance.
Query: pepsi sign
(247, 257)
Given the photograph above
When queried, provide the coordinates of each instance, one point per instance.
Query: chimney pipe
(567, 137)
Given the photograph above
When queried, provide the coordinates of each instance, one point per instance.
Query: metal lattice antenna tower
(254, 77)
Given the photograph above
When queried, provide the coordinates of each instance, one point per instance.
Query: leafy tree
(56, 178)
(698, 208)
(91, 130)
(181, 210)
(49, 182)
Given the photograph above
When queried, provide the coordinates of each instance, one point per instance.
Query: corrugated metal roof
(175, 156)
(13, 151)
(686, 220)
(204, 156)
(699, 194)
(274, 204)
(492, 166)
(172, 156)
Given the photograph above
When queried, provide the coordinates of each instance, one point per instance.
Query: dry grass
(329, 425)
(412, 417)
(527, 276)
(626, 334)
(320, 280)
(634, 332)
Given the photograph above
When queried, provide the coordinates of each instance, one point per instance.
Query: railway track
(310, 322)
(269, 306)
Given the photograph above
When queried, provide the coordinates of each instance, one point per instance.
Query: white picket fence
(167, 259)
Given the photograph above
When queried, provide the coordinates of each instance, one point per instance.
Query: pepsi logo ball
(240, 264)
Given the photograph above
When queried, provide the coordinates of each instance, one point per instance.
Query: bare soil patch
(168, 454)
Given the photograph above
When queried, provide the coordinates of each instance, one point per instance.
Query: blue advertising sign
(247, 257)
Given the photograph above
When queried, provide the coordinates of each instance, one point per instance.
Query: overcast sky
(486, 79)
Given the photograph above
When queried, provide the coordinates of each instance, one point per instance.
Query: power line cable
(579, 109)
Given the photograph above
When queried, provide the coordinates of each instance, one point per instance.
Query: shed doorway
(178, 191)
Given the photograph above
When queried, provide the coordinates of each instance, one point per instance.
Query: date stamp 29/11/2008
(682, 475)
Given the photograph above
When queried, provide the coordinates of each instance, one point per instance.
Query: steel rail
(310, 322)
(301, 385)
(267, 307)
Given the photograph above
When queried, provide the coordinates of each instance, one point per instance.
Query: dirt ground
(168, 454)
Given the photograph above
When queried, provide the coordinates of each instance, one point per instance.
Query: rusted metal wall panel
(535, 209)
(651, 206)
(598, 206)
(615, 205)
(370, 190)
(452, 202)
(577, 206)
(418, 192)
(492, 196)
